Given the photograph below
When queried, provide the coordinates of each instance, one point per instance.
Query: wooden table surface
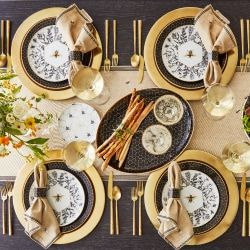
(125, 11)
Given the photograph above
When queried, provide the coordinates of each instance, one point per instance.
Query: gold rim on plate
(18, 66)
(151, 65)
(233, 203)
(94, 217)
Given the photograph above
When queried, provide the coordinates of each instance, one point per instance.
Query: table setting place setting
(68, 124)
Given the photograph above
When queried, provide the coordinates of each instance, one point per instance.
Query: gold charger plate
(150, 58)
(229, 179)
(93, 219)
(18, 65)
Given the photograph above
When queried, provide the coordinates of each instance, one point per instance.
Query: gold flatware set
(5, 57)
(6, 194)
(245, 197)
(137, 60)
(114, 193)
(115, 57)
(137, 193)
(245, 57)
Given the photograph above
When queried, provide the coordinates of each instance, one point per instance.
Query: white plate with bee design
(65, 195)
(79, 121)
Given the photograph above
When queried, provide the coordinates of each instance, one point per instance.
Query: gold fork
(248, 46)
(10, 194)
(115, 55)
(242, 60)
(4, 198)
(134, 197)
(107, 60)
(140, 189)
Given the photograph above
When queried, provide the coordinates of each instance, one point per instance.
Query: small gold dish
(168, 109)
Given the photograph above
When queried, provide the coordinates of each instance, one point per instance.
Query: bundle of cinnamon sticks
(119, 142)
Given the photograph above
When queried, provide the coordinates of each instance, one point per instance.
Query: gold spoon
(135, 59)
(248, 200)
(117, 196)
(3, 57)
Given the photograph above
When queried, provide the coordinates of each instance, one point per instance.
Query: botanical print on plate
(79, 121)
(184, 54)
(157, 139)
(65, 194)
(200, 196)
(48, 54)
(168, 109)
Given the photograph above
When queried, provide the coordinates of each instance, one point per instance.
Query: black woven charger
(158, 56)
(86, 184)
(214, 175)
(60, 85)
(138, 159)
(247, 104)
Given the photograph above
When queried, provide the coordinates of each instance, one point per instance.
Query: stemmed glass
(218, 101)
(79, 155)
(88, 85)
(236, 157)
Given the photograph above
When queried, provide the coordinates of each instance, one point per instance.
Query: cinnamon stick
(135, 127)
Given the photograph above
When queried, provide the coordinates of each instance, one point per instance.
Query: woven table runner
(209, 135)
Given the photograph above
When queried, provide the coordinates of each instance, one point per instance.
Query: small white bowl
(156, 139)
(168, 109)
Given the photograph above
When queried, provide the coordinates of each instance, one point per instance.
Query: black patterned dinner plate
(61, 178)
(180, 55)
(139, 160)
(247, 105)
(45, 55)
(204, 193)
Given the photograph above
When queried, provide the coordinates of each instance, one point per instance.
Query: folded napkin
(217, 38)
(76, 28)
(176, 227)
(41, 223)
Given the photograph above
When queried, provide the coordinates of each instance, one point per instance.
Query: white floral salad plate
(209, 192)
(77, 198)
(69, 193)
(41, 56)
(176, 58)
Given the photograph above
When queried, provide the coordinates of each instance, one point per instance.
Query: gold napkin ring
(40, 192)
(174, 193)
(213, 56)
(75, 55)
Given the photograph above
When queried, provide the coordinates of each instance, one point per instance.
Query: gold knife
(9, 63)
(141, 63)
(243, 198)
(110, 196)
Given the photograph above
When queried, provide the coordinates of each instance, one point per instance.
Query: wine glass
(236, 157)
(218, 101)
(79, 155)
(88, 85)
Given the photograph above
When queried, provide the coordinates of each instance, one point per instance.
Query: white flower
(20, 126)
(20, 108)
(10, 118)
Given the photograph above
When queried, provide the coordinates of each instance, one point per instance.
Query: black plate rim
(68, 228)
(216, 171)
(170, 82)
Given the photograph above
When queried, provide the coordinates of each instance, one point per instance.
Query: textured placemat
(210, 136)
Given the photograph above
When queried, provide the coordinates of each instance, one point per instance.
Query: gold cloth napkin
(41, 223)
(217, 38)
(77, 30)
(176, 227)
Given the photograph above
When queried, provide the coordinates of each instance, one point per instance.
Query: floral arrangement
(20, 120)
